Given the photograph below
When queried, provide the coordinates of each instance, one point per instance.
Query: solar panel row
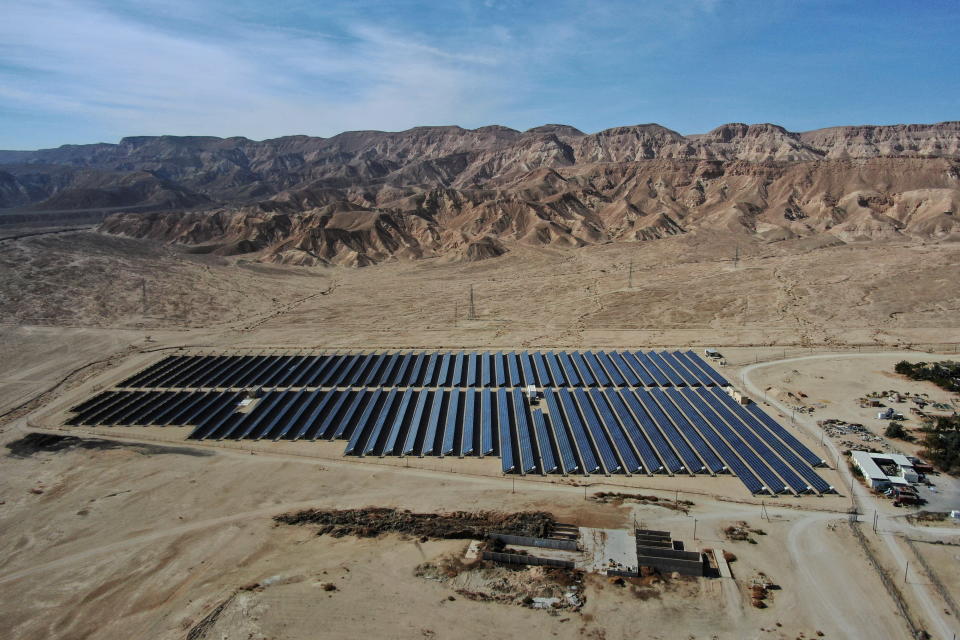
(679, 429)
(434, 369)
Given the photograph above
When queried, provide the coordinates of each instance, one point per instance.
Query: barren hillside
(363, 197)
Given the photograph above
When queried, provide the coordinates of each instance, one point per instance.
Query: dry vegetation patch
(618, 498)
(372, 521)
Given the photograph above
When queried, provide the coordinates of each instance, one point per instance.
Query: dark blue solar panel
(540, 365)
(674, 377)
(503, 424)
(713, 429)
(693, 376)
(645, 378)
(343, 373)
(744, 442)
(416, 422)
(524, 442)
(329, 425)
(288, 403)
(360, 369)
(577, 371)
(486, 422)
(433, 423)
(262, 410)
(467, 446)
(589, 459)
(679, 366)
(526, 367)
(388, 371)
(662, 379)
(403, 368)
(558, 426)
(330, 371)
(691, 462)
(793, 461)
(706, 369)
(457, 379)
(364, 422)
(652, 432)
(556, 371)
(617, 434)
(429, 369)
(319, 402)
(598, 373)
(693, 436)
(486, 370)
(616, 378)
(600, 438)
(221, 409)
(717, 416)
(786, 436)
(386, 413)
(443, 375)
(500, 373)
(348, 422)
(390, 442)
(647, 454)
(513, 369)
(416, 369)
(450, 430)
(547, 460)
(629, 375)
(471, 379)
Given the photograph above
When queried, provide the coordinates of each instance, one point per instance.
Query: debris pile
(835, 428)
(741, 531)
(372, 521)
(548, 588)
(614, 497)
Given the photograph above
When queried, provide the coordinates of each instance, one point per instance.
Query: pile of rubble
(372, 521)
(840, 429)
(552, 589)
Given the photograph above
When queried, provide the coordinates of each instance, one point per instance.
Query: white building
(874, 475)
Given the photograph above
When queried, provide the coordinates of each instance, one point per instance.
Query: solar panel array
(430, 369)
(598, 414)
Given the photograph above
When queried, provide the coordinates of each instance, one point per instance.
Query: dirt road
(931, 602)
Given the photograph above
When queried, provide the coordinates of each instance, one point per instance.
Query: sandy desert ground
(144, 535)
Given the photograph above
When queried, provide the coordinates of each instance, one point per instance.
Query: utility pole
(456, 312)
(736, 257)
(472, 311)
(694, 528)
(143, 295)
(630, 281)
(905, 572)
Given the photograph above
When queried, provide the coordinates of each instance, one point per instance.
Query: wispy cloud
(85, 70)
(82, 59)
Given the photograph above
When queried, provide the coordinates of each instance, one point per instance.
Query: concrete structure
(656, 549)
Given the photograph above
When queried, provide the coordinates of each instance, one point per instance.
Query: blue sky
(79, 71)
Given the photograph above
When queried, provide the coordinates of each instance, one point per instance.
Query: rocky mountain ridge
(363, 197)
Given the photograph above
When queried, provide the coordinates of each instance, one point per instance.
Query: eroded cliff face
(364, 197)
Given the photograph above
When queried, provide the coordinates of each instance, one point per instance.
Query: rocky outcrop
(363, 197)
